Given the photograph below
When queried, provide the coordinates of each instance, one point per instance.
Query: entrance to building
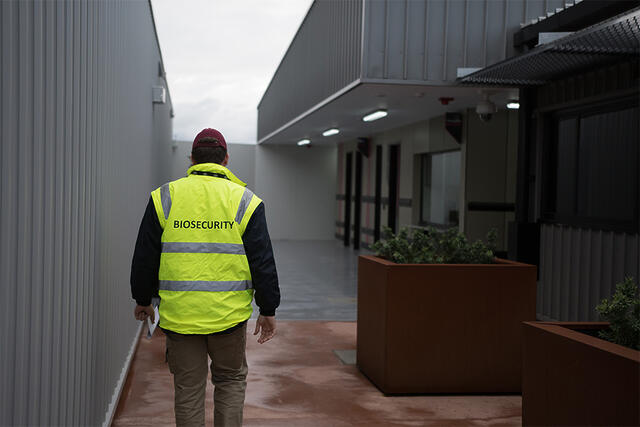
(347, 199)
(378, 195)
(394, 158)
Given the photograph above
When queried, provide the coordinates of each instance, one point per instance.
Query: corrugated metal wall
(579, 267)
(323, 58)
(77, 160)
(428, 40)
(414, 41)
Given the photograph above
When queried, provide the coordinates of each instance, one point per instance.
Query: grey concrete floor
(318, 280)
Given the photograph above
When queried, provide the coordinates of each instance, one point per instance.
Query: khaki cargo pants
(187, 356)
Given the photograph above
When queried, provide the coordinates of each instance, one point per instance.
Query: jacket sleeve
(257, 247)
(146, 258)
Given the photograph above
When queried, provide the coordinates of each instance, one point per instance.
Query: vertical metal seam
(385, 55)
(405, 41)
(505, 29)
(425, 58)
(465, 34)
(444, 40)
(364, 42)
(484, 33)
(37, 226)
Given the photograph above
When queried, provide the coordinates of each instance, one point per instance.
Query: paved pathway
(297, 379)
(317, 279)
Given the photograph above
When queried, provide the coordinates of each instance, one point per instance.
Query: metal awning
(608, 41)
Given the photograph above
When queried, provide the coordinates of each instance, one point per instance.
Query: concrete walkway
(318, 280)
(297, 379)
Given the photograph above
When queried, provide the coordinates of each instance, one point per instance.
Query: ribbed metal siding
(323, 58)
(579, 267)
(76, 168)
(428, 40)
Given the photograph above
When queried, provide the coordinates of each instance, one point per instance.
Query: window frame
(549, 185)
(421, 222)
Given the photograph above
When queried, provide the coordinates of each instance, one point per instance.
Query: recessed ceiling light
(375, 116)
(513, 105)
(330, 132)
(304, 142)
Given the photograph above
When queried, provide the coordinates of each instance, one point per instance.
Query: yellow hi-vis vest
(205, 281)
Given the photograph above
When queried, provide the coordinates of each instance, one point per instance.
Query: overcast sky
(219, 56)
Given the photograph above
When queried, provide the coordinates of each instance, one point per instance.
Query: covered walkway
(306, 376)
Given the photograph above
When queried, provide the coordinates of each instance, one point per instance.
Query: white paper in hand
(152, 325)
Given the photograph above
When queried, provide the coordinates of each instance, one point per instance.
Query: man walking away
(204, 248)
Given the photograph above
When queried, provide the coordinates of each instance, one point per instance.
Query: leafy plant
(623, 313)
(431, 246)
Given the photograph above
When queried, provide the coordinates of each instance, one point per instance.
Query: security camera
(485, 110)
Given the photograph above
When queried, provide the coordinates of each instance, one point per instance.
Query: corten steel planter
(570, 378)
(443, 328)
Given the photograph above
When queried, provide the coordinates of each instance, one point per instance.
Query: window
(591, 172)
(440, 189)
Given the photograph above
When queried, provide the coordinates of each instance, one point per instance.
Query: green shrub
(431, 246)
(623, 313)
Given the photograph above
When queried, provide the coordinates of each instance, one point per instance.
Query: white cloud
(220, 56)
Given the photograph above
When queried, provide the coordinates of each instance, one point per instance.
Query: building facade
(423, 142)
(578, 208)
(86, 124)
(403, 57)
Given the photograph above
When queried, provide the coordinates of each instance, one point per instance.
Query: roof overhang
(406, 103)
(609, 41)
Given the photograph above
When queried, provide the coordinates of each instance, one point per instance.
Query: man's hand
(266, 324)
(141, 312)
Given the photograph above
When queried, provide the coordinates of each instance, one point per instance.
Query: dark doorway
(394, 156)
(378, 195)
(357, 206)
(347, 199)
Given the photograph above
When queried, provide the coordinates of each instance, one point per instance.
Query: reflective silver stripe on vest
(165, 197)
(244, 204)
(207, 286)
(203, 248)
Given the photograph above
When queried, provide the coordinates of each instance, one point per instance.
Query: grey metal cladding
(580, 267)
(323, 58)
(389, 41)
(79, 137)
(429, 40)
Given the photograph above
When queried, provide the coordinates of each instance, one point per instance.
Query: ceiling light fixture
(330, 132)
(513, 105)
(375, 116)
(304, 142)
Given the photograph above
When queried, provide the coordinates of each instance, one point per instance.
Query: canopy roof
(608, 41)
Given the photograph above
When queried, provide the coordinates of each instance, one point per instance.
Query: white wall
(297, 185)
(242, 162)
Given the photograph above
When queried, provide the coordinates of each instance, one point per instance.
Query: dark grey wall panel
(323, 58)
(82, 146)
(429, 40)
(580, 267)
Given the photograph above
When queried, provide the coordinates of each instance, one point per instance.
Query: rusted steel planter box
(570, 378)
(439, 328)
